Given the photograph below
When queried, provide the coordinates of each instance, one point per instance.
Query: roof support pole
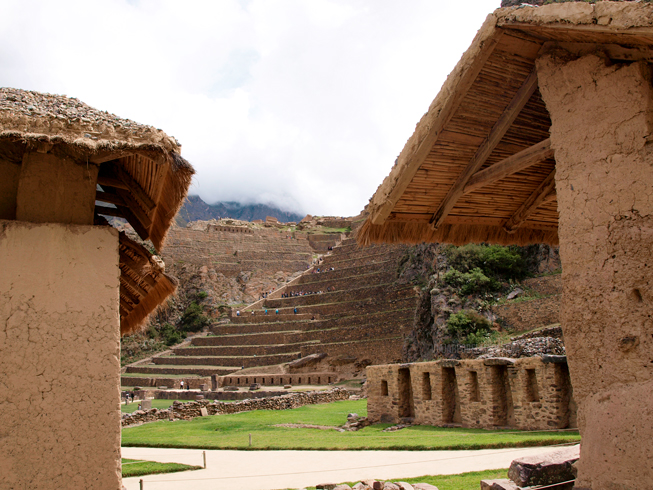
(541, 194)
(487, 147)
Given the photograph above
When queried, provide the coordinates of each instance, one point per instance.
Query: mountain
(195, 209)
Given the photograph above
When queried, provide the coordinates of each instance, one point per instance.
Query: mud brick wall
(527, 315)
(530, 393)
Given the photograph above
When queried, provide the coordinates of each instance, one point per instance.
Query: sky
(304, 104)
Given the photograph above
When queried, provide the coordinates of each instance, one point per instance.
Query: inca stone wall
(530, 393)
(602, 119)
(188, 411)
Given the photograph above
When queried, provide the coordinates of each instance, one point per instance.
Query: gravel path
(272, 470)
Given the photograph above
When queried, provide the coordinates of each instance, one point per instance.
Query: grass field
(463, 481)
(134, 467)
(232, 432)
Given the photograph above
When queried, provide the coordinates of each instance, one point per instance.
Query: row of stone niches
(529, 393)
(279, 379)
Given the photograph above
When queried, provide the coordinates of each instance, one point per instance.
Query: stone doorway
(407, 404)
(450, 397)
(503, 409)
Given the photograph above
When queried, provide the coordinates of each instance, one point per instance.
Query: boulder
(343, 487)
(404, 486)
(360, 486)
(546, 469)
(390, 486)
(424, 486)
(515, 294)
(254, 386)
(502, 484)
(326, 486)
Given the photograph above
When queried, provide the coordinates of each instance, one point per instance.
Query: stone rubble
(529, 347)
(377, 485)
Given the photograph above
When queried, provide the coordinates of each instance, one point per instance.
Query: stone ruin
(528, 394)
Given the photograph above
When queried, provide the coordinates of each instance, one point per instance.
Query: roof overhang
(480, 166)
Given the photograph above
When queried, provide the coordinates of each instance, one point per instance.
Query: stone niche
(530, 393)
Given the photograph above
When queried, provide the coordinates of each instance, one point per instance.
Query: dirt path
(272, 470)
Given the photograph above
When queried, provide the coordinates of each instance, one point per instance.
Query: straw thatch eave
(478, 168)
(145, 177)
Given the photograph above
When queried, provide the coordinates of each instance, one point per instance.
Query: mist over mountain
(196, 209)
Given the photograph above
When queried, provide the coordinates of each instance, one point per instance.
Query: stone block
(424, 486)
(404, 485)
(546, 469)
(204, 412)
(502, 484)
(390, 486)
(146, 404)
(326, 486)
(343, 487)
(204, 387)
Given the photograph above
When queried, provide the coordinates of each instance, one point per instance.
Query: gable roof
(479, 166)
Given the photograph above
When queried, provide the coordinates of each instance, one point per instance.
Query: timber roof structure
(480, 166)
(142, 178)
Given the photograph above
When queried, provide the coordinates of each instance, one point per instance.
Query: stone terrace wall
(527, 315)
(531, 393)
(278, 379)
(191, 410)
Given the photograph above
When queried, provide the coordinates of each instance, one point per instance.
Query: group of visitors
(292, 294)
(318, 270)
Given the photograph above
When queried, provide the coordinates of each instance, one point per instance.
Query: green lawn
(232, 432)
(134, 467)
(463, 481)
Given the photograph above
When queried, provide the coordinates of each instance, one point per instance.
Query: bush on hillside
(495, 261)
(468, 327)
(471, 282)
(193, 319)
(170, 335)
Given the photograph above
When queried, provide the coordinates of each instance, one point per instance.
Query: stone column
(59, 356)
(601, 134)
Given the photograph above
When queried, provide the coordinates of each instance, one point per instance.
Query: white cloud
(304, 103)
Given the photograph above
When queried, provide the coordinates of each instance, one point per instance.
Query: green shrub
(202, 295)
(495, 261)
(468, 327)
(474, 281)
(193, 319)
(170, 335)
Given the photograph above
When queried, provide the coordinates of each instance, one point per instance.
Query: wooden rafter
(128, 262)
(497, 133)
(136, 190)
(114, 182)
(448, 111)
(108, 211)
(133, 285)
(134, 299)
(513, 164)
(544, 192)
(109, 197)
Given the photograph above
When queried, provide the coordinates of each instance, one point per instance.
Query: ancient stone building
(541, 134)
(529, 393)
(70, 283)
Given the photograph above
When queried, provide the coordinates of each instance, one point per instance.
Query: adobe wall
(601, 133)
(59, 356)
(529, 393)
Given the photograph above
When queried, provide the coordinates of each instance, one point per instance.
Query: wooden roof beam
(108, 211)
(109, 197)
(497, 133)
(107, 181)
(511, 165)
(133, 285)
(543, 193)
(131, 264)
(136, 190)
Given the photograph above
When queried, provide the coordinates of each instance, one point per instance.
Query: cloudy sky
(301, 103)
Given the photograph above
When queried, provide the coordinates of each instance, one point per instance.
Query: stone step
(338, 284)
(162, 370)
(380, 291)
(228, 361)
(239, 350)
(348, 272)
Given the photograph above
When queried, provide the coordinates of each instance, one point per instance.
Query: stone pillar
(59, 356)
(601, 134)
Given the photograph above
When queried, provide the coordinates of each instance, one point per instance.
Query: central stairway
(352, 308)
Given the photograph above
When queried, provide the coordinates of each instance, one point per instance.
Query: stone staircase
(351, 309)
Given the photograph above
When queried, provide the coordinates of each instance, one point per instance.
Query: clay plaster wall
(523, 393)
(59, 348)
(601, 135)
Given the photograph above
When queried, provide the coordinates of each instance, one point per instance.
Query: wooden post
(250, 440)
(204, 456)
(141, 483)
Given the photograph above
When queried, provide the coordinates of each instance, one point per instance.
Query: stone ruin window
(384, 388)
(299, 381)
(474, 392)
(426, 386)
(532, 392)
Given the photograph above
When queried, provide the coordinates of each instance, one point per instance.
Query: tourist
(237, 312)
(295, 311)
(182, 384)
(266, 311)
(276, 312)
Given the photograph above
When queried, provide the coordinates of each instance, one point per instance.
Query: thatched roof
(143, 284)
(142, 174)
(480, 167)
